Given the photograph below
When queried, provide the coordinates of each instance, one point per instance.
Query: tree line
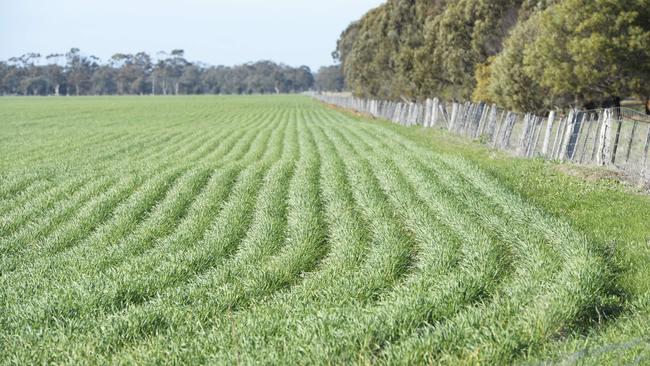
(170, 73)
(525, 55)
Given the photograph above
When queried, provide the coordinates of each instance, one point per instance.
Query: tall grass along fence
(618, 137)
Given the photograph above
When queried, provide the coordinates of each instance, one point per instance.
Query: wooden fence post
(618, 133)
(454, 114)
(547, 135)
(558, 135)
(465, 118)
(492, 121)
(537, 132)
(434, 111)
(524, 135)
(499, 127)
(511, 119)
(599, 126)
(630, 142)
(603, 156)
(566, 135)
(482, 123)
(427, 112)
(574, 140)
(414, 114)
(646, 147)
(407, 114)
(589, 122)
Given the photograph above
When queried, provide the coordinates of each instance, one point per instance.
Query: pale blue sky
(295, 32)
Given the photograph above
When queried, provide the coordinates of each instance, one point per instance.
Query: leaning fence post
(464, 118)
(525, 134)
(414, 114)
(511, 119)
(417, 115)
(468, 108)
(566, 136)
(499, 127)
(445, 114)
(427, 112)
(586, 141)
(547, 135)
(434, 112)
(454, 115)
(603, 157)
(407, 114)
(599, 126)
(482, 123)
(574, 141)
(492, 120)
(618, 133)
(646, 147)
(537, 132)
(558, 135)
(631, 141)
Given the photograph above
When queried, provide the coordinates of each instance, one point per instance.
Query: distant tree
(12, 77)
(175, 65)
(125, 71)
(299, 79)
(79, 70)
(139, 73)
(34, 85)
(330, 78)
(143, 67)
(54, 72)
(190, 79)
(4, 69)
(103, 81)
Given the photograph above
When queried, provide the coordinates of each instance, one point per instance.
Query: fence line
(618, 137)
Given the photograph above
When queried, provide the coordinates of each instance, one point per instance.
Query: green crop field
(241, 230)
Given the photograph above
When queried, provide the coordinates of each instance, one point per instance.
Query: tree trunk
(647, 105)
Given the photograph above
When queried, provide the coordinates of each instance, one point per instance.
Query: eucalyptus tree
(329, 78)
(55, 72)
(596, 50)
(79, 70)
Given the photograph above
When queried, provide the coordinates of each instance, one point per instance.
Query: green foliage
(592, 50)
(419, 48)
(547, 54)
(483, 77)
(510, 85)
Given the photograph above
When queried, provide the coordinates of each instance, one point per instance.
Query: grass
(241, 230)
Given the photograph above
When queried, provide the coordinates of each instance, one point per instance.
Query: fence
(617, 137)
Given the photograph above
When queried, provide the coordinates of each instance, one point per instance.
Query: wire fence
(618, 137)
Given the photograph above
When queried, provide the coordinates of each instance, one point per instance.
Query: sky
(217, 32)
